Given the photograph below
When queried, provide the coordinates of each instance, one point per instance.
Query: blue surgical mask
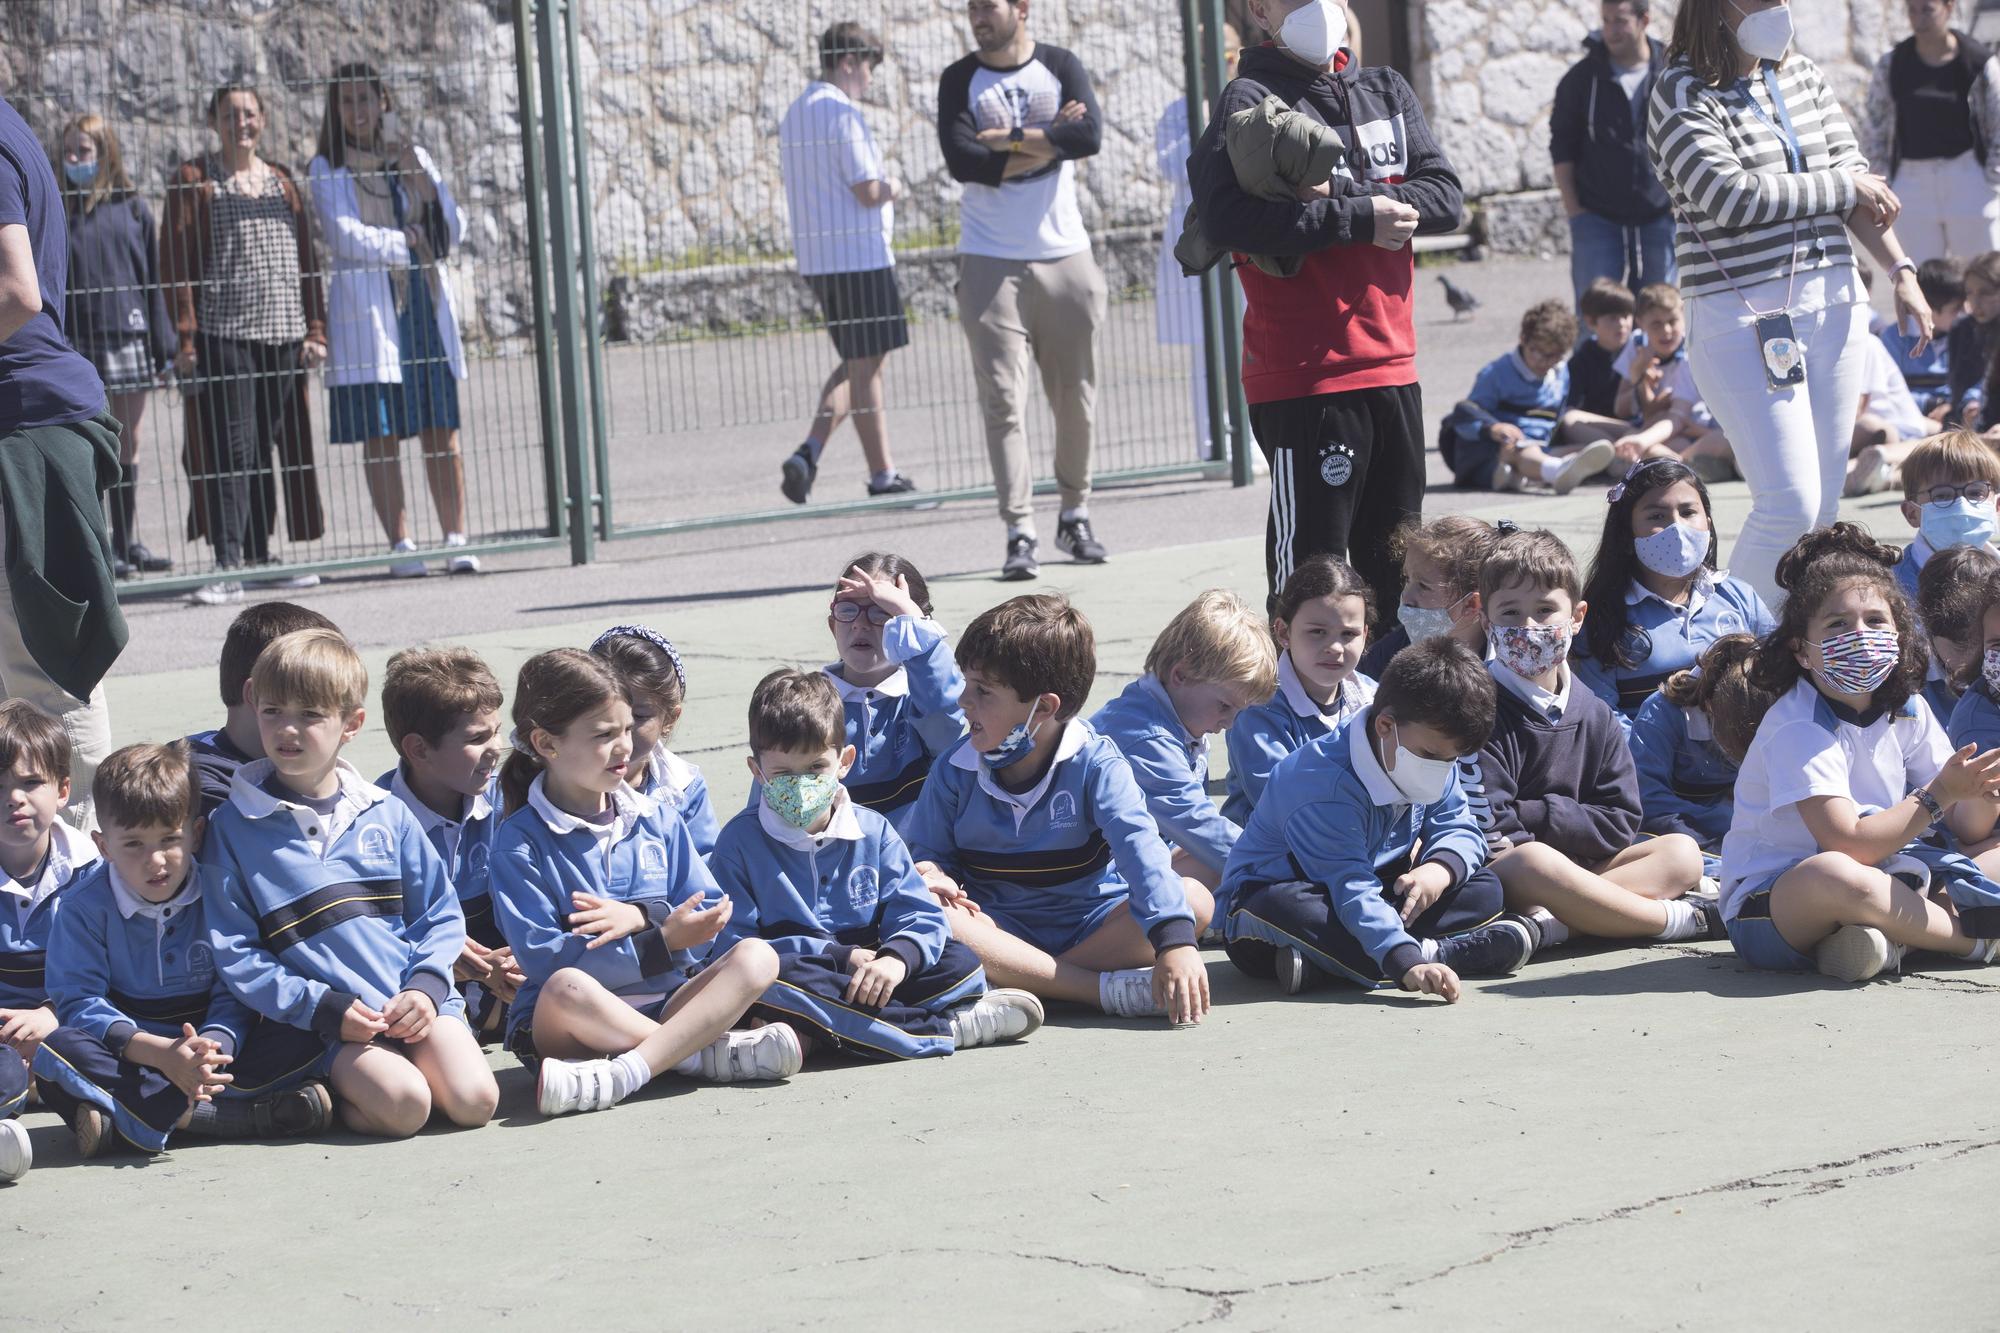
(1020, 741)
(80, 174)
(1961, 523)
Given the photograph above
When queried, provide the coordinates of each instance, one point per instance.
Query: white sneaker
(1592, 459)
(1505, 478)
(1291, 965)
(226, 593)
(1129, 994)
(407, 569)
(574, 1085)
(1856, 953)
(1709, 888)
(459, 564)
(759, 1055)
(17, 1153)
(999, 1015)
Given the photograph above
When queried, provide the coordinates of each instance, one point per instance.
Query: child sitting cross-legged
(656, 685)
(1950, 486)
(867, 964)
(1684, 752)
(1035, 834)
(1441, 559)
(1560, 796)
(1363, 862)
(152, 1043)
(1514, 426)
(219, 753)
(329, 910)
(1211, 662)
(1951, 594)
(611, 912)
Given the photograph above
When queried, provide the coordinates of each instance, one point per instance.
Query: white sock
(1025, 528)
(881, 479)
(629, 1073)
(1984, 951)
(1430, 950)
(691, 1067)
(1552, 467)
(1072, 515)
(1683, 922)
(454, 539)
(1553, 931)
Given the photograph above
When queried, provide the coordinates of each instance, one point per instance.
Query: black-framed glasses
(849, 612)
(1941, 497)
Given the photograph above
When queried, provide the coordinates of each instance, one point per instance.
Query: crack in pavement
(1794, 1182)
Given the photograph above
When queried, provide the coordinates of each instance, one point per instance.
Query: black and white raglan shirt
(1032, 216)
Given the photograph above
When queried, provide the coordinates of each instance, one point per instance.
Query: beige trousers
(1012, 308)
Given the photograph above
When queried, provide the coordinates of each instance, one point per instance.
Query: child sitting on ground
(1847, 770)
(1607, 308)
(656, 685)
(610, 910)
(1441, 559)
(867, 964)
(1949, 604)
(1928, 373)
(1974, 339)
(329, 910)
(1363, 861)
(1513, 425)
(442, 707)
(1686, 767)
(1660, 392)
(898, 684)
(1035, 834)
(219, 753)
(1656, 595)
(152, 1042)
(1320, 622)
(1949, 485)
(1209, 664)
(1975, 720)
(1561, 797)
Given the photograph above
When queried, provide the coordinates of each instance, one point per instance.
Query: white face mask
(1315, 32)
(1421, 781)
(1765, 34)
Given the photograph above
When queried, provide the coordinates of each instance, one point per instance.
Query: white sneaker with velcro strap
(1128, 993)
(759, 1055)
(563, 1086)
(997, 1016)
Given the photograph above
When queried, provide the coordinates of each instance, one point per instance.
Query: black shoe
(1295, 973)
(1075, 540)
(796, 476)
(141, 556)
(1710, 910)
(898, 484)
(121, 568)
(1020, 564)
(294, 1114)
(1497, 949)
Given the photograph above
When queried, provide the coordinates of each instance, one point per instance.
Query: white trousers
(88, 722)
(1792, 445)
(1949, 208)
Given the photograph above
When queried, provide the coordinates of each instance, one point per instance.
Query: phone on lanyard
(1784, 359)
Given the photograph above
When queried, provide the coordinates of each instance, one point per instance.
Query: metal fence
(607, 232)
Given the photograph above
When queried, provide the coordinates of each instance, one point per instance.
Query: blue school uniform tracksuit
(1929, 375)
(1048, 865)
(679, 785)
(1686, 783)
(1661, 638)
(27, 920)
(119, 966)
(1506, 391)
(310, 912)
(1314, 865)
(900, 727)
(817, 898)
(466, 846)
(644, 854)
(1264, 736)
(1915, 556)
(1976, 719)
(1172, 770)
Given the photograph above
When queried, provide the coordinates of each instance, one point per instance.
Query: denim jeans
(1633, 255)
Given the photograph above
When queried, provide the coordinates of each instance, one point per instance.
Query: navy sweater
(114, 279)
(1567, 782)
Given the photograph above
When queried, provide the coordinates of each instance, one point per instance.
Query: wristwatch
(1015, 137)
(1904, 263)
(1930, 805)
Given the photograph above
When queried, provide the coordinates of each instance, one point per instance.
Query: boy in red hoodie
(1329, 356)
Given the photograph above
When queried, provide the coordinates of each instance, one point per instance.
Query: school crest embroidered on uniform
(1634, 647)
(1062, 810)
(201, 961)
(475, 860)
(863, 887)
(377, 847)
(1336, 464)
(652, 859)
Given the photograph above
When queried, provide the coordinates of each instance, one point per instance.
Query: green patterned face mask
(801, 799)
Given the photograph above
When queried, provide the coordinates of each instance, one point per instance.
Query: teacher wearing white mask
(1769, 185)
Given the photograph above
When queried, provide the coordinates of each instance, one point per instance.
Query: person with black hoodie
(1620, 225)
(1329, 362)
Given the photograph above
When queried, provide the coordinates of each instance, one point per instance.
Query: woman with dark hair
(117, 307)
(237, 258)
(388, 220)
(1768, 182)
(1656, 594)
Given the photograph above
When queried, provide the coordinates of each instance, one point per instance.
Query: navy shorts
(1055, 938)
(1755, 936)
(864, 311)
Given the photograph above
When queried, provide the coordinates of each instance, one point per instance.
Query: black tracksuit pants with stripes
(1346, 470)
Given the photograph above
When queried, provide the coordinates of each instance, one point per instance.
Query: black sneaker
(900, 484)
(1710, 911)
(295, 1113)
(142, 558)
(1021, 564)
(1497, 949)
(796, 476)
(1294, 972)
(122, 568)
(1075, 540)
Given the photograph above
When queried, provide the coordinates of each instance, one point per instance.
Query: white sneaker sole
(1854, 953)
(1291, 970)
(1592, 459)
(17, 1151)
(1020, 1013)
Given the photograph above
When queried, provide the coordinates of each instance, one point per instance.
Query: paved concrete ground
(1645, 1137)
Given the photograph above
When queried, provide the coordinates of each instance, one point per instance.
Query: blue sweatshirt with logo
(1172, 770)
(28, 917)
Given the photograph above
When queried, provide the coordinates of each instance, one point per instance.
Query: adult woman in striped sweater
(1769, 185)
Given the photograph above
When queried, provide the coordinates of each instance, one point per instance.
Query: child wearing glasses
(897, 681)
(1949, 483)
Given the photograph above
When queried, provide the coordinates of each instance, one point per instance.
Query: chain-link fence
(346, 292)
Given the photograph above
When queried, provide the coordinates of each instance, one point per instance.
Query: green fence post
(552, 65)
(1211, 289)
(1232, 309)
(593, 306)
(538, 265)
